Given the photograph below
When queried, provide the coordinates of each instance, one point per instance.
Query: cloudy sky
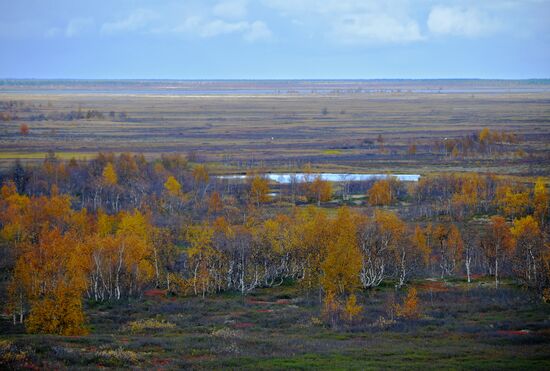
(192, 39)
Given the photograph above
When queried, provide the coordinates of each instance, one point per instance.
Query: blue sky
(281, 39)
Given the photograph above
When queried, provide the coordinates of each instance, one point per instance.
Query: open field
(335, 132)
(462, 327)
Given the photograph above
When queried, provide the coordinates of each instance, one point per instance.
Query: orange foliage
(380, 193)
(410, 308)
(24, 129)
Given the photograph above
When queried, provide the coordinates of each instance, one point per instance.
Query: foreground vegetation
(460, 326)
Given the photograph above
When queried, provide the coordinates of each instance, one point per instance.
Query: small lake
(285, 178)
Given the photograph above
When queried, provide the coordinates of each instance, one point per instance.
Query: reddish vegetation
(154, 293)
(433, 286)
(258, 302)
(265, 302)
(244, 324)
(24, 129)
(161, 362)
(513, 332)
(265, 310)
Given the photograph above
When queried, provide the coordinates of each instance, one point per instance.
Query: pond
(285, 178)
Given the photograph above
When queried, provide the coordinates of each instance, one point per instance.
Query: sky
(274, 39)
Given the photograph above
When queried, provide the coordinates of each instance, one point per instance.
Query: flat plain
(337, 132)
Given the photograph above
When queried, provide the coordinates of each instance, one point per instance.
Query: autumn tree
(200, 253)
(259, 190)
(410, 308)
(24, 129)
(529, 250)
(172, 186)
(449, 248)
(200, 181)
(352, 309)
(320, 190)
(110, 177)
(471, 249)
(215, 203)
(342, 263)
(512, 201)
(540, 201)
(173, 191)
(469, 195)
(500, 243)
(313, 231)
(48, 277)
(380, 194)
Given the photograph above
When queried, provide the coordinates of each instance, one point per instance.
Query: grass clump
(147, 325)
(117, 357)
(12, 355)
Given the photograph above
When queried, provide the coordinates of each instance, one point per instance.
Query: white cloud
(232, 9)
(375, 28)
(458, 21)
(353, 21)
(257, 30)
(53, 32)
(78, 26)
(208, 28)
(137, 20)
(224, 18)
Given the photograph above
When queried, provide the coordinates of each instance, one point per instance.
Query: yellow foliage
(62, 315)
(172, 186)
(342, 263)
(484, 135)
(525, 227)
(512, 202)
(540, 201)
(352, 309)
(110, 177)
(259, 189)
(320, 190)
(200, 174)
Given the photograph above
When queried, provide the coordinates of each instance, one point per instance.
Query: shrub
(226, 333)
(11, 355)
(148, 325)
(117, 357)
(409, 309)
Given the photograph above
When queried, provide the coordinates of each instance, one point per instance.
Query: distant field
(336, 132)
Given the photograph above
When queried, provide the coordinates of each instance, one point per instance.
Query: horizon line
(275, 79)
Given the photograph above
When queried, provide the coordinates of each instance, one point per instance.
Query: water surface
(286, 178)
